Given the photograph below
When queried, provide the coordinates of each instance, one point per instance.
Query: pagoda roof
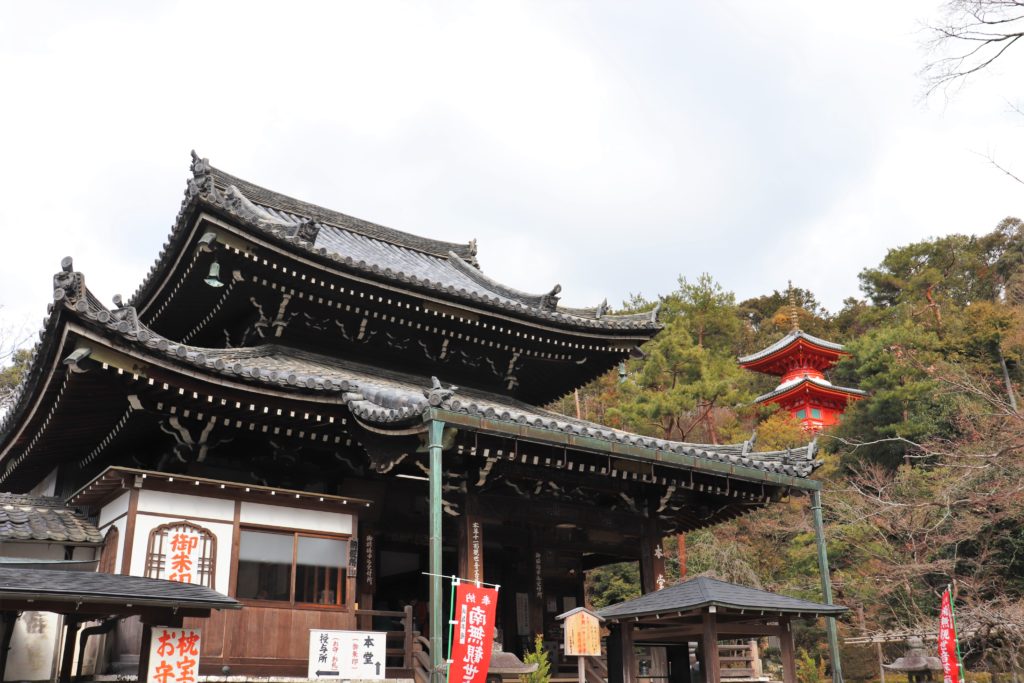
(813, 384)
(381, 400)
(794, 337)
(337, 241)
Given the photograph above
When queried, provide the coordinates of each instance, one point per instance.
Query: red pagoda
(801, 360)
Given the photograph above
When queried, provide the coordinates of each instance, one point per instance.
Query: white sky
(609, 147)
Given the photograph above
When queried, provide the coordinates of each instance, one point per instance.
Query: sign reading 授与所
(346, 654)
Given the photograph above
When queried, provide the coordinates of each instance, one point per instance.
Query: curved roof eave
(438, 267)
(389, 401)
(792, 338)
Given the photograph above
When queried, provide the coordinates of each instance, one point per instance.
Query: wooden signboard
(582, 634)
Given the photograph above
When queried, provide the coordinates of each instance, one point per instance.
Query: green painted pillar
(436, 431)
(826, 586)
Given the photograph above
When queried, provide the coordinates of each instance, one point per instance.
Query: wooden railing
(400, 642)
(421, 664)
(595, 669)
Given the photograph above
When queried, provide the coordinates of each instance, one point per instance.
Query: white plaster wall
(296, 520)
(184, 504)
(35, 551)
(32, 654)
(144, 524)
(114, 508)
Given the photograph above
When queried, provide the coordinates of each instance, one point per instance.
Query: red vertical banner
(473, 614)
(949, 652)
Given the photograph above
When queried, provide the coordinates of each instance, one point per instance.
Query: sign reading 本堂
(174, 655)
(582, 634)
(346, 654)
(474, 633)
(949, 653)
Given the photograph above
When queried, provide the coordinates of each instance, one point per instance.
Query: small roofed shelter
(87, 596)
(702, 610)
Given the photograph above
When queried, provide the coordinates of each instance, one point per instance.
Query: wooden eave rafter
(113, 480)
(679, 461)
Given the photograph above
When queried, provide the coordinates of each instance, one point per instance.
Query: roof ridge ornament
(201, 181)
(549, 301)
(794, 316)
(68, 284)
(437, 394)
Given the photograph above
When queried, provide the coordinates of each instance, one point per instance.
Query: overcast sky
(606, 146)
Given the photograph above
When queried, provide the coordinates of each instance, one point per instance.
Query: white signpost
(346, 654)
(174, 655)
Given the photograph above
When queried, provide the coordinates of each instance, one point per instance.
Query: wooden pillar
(628, 656)
(71, 624)
(614, 653)
(788, 656)
(7, 621)
(710, 664)
(652, 558)
(681, 555)
(471, 541)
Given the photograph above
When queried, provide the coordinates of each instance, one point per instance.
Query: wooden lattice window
(182, 551)
(108, 555)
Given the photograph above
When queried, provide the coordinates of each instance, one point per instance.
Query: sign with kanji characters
(582, 634)
(474, 633)
(174, 655)
(346, 654)
(181, 551)
(949, 652)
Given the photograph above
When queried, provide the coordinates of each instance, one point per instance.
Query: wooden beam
(471, 541)
(628, 655)
(71, 623)
(129, 531)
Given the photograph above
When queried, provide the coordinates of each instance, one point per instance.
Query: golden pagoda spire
(794, 316)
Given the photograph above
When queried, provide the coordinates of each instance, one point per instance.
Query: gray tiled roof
(390, 399)
(786, 341)
(44, 519)
(704, 591)
(445, 268)
(75, 586)
(786, 388)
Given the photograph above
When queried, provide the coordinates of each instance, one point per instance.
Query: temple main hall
(333, 414)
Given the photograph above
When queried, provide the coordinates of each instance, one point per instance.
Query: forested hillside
(924, 479)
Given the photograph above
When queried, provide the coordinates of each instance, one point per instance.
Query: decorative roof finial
(794, 316)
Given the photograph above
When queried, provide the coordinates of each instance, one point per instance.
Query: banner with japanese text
(346, 654)
(174, 655)
(473, 615)
(949, 652)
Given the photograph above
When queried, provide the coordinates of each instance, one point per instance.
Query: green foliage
(539, 656)
(613, 583)
(809, 669)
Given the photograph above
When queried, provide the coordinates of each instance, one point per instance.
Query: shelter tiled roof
(97, 587)
(45, 519)
(790, 338)
(704, 591)
(448, 269)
